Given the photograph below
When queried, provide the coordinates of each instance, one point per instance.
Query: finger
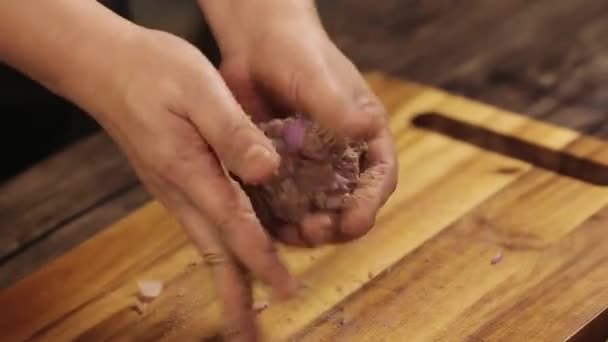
(346, 106)
(378, 181)
(317, 229)
(241, 146)
(232, 286)
(328, 87)
(291, 235)
(225, 204)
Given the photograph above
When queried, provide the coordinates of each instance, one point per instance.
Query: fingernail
(261, 162)
(260, 154)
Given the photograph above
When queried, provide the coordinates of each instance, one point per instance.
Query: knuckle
(374, 110)
(168, 168)
(174, 172)
(267, 251)
(294, 85)
(177, 165)
(335, 90)
(238, 133)
(215, 258)
(327, 90)
(239, 128)
(241, 227)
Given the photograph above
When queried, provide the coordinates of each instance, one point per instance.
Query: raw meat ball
(317, 173)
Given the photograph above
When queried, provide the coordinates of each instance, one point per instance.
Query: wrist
(90, 76)
(96, 70)
(241, 24)
(67, 46)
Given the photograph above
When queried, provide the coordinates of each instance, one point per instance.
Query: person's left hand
(277, 59)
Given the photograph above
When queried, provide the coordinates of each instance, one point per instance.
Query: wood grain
(59, 190)
(516, 299)
(425, 273)
(72, 233)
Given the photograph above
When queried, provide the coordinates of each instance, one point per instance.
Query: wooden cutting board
(497, 231)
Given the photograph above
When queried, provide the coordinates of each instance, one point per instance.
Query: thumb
(336, 96)
(240, 145)
(328, 89)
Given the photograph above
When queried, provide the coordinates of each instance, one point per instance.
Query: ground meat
(317, 172)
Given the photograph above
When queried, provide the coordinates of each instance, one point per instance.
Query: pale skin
(183, 124)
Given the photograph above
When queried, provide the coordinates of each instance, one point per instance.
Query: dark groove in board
(388, 215)
(51, 230)
(559, 161)
(595, 330)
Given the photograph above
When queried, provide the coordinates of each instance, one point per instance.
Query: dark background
(37, 123)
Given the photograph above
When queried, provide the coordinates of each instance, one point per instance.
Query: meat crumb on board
(148, 291)
(497, 258)
(260, 305)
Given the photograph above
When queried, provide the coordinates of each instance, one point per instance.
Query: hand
(176, 120)
(287, 63)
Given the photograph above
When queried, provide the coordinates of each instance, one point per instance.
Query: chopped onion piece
(294, 135)
(260, 305)
(497, 258)
(150, 288)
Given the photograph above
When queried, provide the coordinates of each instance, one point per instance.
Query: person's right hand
(172, 114)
